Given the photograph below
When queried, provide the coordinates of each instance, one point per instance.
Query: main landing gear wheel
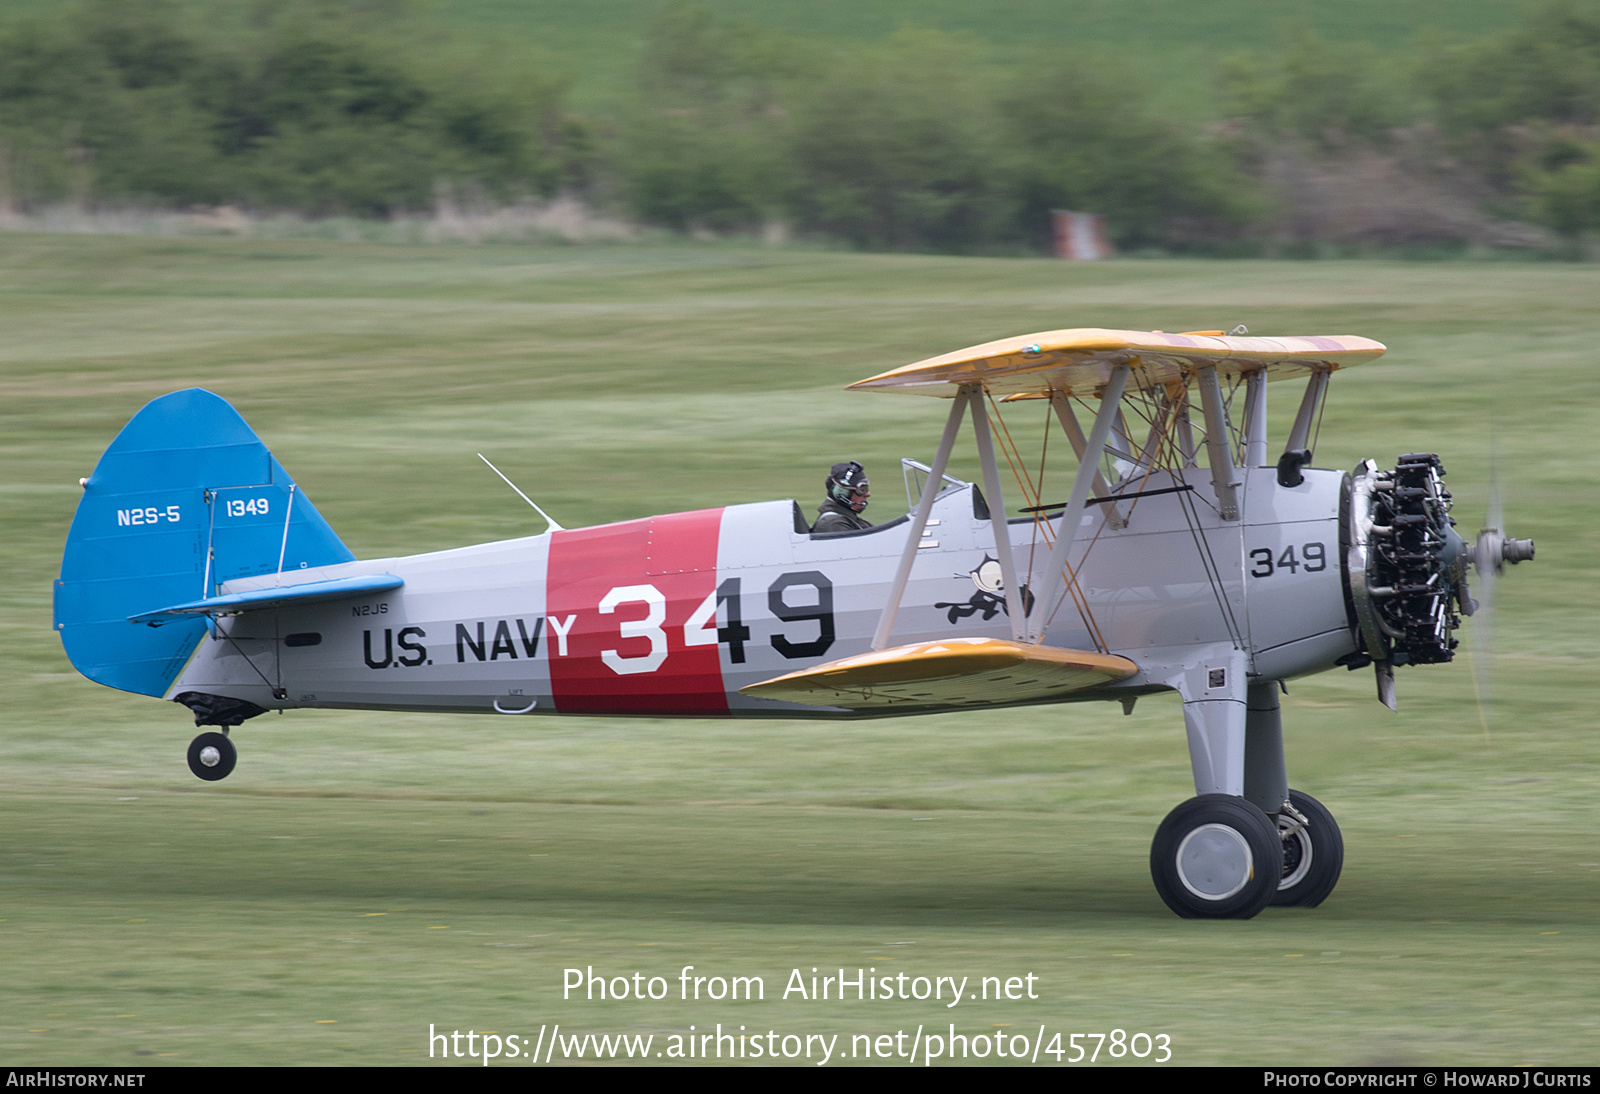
(1216, 857)
(1313, 853)
(212, 756)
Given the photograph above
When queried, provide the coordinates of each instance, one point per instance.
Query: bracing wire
(1208, 562)
(228, 638)
(1041, 529)
(1013, 454)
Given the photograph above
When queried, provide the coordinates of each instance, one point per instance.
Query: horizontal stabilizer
(261, 599)
(953, 672)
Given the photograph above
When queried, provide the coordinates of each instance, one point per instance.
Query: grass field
(362, 876)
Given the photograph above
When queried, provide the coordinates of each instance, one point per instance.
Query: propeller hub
(1494, 549)
(1517, 550)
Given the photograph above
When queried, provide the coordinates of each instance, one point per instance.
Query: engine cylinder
(1405, 562)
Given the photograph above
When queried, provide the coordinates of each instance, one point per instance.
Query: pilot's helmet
(844, 481)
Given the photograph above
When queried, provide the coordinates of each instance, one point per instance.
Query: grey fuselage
(674, 614)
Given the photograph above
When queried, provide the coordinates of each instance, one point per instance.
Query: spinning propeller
(1488, 556)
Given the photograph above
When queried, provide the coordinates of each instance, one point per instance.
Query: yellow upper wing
(1078, 362)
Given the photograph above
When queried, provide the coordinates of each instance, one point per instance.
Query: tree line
(923, 141)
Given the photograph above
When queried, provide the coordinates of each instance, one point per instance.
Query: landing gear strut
(212, 756)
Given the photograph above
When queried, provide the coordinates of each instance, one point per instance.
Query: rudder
(185, 498)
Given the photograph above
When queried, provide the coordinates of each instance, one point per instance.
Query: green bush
(1566, 197)
(1523, 108)
(1087, 142)
(898, 147)
(1331, 94)
(116, 101)
(704, 144)
(921, 142)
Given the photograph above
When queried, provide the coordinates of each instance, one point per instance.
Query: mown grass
(364, 875)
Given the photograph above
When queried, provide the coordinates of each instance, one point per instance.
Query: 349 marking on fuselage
(1314, 559)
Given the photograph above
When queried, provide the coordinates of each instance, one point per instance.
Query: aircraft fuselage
(674, 614)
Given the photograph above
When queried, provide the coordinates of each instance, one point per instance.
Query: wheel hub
(1214, 862)
(210, 756)
(1297, 850)
(1297, 853)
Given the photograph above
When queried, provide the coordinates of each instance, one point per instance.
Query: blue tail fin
(186, 497)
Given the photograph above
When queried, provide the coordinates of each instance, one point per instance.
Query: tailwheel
(1216, 857)
(212, 756)
(1313, 852)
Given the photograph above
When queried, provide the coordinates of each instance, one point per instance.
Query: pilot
(847, 494)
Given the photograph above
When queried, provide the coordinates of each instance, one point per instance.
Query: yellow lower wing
(955, 672)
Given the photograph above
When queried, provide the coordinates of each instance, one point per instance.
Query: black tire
(212, 756)
(1216, 857)
(1312, 857)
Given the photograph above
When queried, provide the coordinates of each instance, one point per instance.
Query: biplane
(1185, 557)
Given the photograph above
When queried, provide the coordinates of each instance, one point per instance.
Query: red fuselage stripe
(624, 594)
